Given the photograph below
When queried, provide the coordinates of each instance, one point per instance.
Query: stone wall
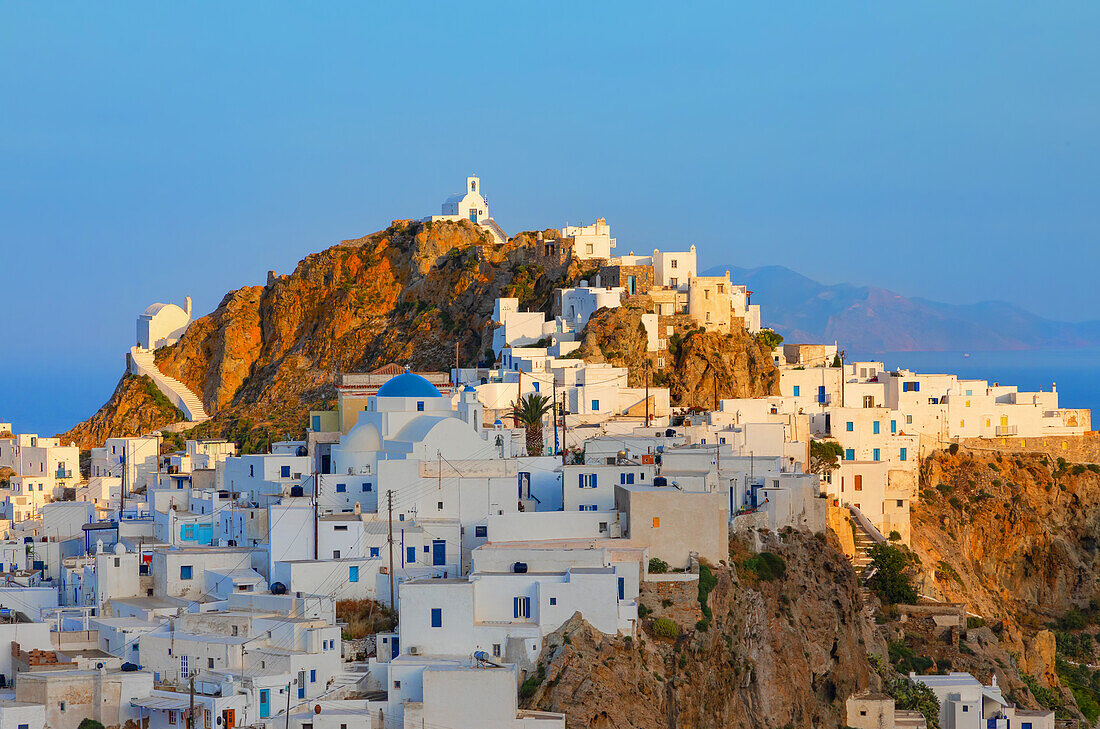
(1074, 448)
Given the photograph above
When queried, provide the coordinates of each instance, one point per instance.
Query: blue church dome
(409, 384)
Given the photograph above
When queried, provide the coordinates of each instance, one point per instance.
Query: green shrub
(643, 610)
(657, 566)
(531, 685)
(955, 502)
(89, 724)
(895, 536)
(953, 449)
(767, 566)
(707, 582)
(665, 628)
(972, 622)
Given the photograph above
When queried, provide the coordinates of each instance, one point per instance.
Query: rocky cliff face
(697, 365)
(136, 407)
(407, 294)
(1016, 535)
(776, 652)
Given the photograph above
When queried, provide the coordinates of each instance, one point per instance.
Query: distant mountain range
(870, 319)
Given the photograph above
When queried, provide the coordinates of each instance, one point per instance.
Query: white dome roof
(154, 309)
(363, 437)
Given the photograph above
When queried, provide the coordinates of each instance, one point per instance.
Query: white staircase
(142, 362)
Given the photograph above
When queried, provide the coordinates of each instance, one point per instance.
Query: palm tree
(529, 411)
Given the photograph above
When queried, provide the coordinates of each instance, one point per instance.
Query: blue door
(439, 552)
(410, 555)
(473, 216)
(622, 588)
(301, 684)
(395, 646)
(265, 704)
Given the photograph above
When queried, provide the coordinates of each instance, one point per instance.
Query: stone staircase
(142, 362)
(865, 536)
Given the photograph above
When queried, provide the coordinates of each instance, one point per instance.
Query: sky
(150, 151)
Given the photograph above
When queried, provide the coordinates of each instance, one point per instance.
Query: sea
(51, 396)
(1075, 372)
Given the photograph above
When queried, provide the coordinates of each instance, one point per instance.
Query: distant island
(872, 319)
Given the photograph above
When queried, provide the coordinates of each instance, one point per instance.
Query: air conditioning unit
(414, 651)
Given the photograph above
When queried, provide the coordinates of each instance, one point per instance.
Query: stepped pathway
(865, 535)
(145, 363)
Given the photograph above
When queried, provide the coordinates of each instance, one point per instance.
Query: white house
(580, 303)
(590, 241)
(674, 269)
(966, 703)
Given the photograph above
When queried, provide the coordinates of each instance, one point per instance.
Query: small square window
(656, 522)
(397, 684)
(185, 572)
(439, 506)
(481, 531)
(553, 601)
(420, 405)
(341, 488)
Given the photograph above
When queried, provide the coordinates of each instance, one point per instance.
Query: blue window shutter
(594, 480)
(875, 454)
(916, 386)
(411, 556)
(622, 478)
(353, 574)
(515, 607)
(850, 454)
(903, 454)
(580, 480)
(437, 617)
(874, 427)
(526, 607)
(796, 388)
(850, 426)
(630, 478)
(893, 426)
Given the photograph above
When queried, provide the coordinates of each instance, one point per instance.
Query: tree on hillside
(529, 411)
(769, 338)
(892, 580)
(825, 456)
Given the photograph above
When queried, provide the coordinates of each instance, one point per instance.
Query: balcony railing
(1006, 430)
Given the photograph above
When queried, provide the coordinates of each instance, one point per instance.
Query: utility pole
(389, 508)
(316, 514)
(191, 711)
(439, 476)
(456, 365)
(647, 393)
(555, 412)
(289, 684)
(716, 391)
(564, 431)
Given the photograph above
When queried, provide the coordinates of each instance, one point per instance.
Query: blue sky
(149, 150)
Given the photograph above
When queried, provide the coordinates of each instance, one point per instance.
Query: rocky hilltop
(412, 293)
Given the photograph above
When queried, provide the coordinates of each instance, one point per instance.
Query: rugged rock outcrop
(734, 364)
(136, 407)
(782, 652)
(697, 366)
